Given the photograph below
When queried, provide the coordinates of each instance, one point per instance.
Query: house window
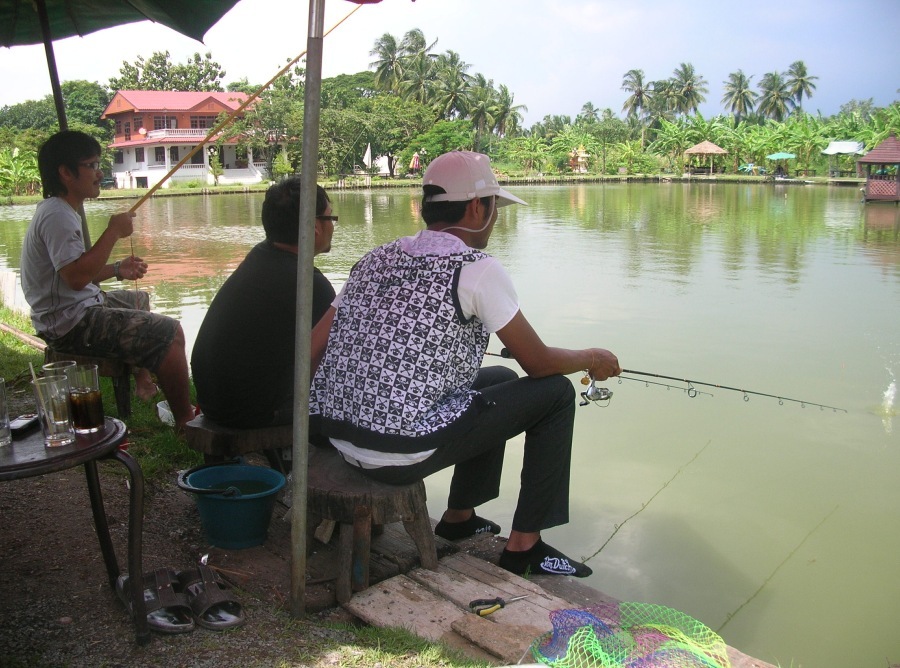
(118, 127)
(159, 155)
(127, 130)
(138, 122)
(173, 154)
(202, 122)
(118, 157)
(164, 122)
(139, 154)
(197, 158)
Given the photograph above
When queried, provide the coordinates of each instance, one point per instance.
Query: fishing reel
(595, 394)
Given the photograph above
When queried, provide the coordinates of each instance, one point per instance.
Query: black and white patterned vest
(401, 358)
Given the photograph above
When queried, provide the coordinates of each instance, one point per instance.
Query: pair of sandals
(179, 602)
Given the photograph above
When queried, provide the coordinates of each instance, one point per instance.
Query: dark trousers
(542, 408)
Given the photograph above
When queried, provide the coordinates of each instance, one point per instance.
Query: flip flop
(168, 610)
(210, 598)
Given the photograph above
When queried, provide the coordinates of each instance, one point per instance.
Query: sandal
(168, 610)
(210, 598)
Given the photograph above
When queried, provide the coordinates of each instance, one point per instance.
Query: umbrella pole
(44, 19)
(309, 167)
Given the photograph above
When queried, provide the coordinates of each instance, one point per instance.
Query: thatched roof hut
(705, 148)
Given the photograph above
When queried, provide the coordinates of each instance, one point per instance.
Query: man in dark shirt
(243, 357)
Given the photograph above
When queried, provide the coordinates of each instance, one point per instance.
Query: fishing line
(646, 503)
(729, 616)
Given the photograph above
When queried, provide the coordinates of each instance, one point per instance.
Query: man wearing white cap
(399, 387)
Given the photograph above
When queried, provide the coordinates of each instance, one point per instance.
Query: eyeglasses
(91, 165)
(333, 219)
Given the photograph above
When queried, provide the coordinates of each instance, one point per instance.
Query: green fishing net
(629, 635)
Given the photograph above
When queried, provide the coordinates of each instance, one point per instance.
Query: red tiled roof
(164, 100)
(886, 153)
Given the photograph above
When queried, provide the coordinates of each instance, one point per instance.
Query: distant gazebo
(883, 171)
(705, 148)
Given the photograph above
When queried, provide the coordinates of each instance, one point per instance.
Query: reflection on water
(788, 290)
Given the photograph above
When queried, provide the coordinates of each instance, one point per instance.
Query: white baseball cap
(465, 175)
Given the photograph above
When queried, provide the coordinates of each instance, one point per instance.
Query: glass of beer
(87, 402)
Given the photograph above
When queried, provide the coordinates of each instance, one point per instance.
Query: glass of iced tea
(87, 402)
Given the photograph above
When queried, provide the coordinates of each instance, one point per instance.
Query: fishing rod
(597, 394)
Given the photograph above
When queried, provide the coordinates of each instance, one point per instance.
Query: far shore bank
(362, 182)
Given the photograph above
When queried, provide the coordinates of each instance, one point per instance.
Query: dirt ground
(58, 609)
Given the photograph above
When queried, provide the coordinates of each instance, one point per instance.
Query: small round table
(26, 456)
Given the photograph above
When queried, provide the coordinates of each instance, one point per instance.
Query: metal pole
(305, 255)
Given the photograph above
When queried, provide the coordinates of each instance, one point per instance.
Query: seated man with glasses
(60, 280)
(243, 358)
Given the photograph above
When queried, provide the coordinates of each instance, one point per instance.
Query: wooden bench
(118, 371)
(336, 493)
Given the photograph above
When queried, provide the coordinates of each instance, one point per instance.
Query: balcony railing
(198, 133)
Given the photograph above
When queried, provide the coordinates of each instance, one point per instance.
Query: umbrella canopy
(781, 156)
(25, 22)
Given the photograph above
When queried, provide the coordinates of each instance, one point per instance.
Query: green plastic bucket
(235, 502)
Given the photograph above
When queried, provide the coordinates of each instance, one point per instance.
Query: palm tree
(482, 109)
(775, 100)
(739, 98)
(418, 81)
(800, 82)
(588, 114)
(639, 93)
(388, 63)
(508, 115)
(690, 86)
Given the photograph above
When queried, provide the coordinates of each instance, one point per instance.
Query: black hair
(64, 149)
(444, 212)
(281, 210)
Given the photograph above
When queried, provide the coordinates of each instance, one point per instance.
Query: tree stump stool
(339, 493)
(218, 443)
(118, 371)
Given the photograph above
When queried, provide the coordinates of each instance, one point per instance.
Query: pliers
(485, 606)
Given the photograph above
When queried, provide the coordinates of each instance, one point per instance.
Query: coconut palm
(452, 85)
(775, 100)
(388, 63)
(588, 114)
(691, 88)
(482, 108)
(418, 81)
(800, 82)
(508, 115)
(639, 92)
(739, 98)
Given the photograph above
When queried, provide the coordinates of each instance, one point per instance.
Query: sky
(553, 55)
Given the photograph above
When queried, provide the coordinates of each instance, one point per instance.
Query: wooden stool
(106, 368)
(338, 492)
(217, 443)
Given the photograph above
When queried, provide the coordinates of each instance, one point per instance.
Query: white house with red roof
(155, 129)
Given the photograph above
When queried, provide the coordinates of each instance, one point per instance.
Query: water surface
(773, 522)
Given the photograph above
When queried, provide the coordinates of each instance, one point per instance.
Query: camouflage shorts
(122, 328)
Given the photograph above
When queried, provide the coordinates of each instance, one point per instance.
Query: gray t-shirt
(54, 240)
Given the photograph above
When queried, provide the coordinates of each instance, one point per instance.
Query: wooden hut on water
(883, 171)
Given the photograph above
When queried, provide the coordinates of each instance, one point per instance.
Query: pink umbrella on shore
(415, 163)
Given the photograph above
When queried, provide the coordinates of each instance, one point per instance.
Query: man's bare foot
(146, 391)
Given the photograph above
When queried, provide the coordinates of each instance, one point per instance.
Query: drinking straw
(40, 398)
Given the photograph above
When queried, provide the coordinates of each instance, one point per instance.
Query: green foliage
(19, 173)
(445, 136)
(199, 73)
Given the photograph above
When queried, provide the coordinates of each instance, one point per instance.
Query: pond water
(775, 523)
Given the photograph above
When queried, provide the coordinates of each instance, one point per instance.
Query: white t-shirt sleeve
(486, 291)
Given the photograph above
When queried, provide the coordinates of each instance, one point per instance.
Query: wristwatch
(116, 266)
